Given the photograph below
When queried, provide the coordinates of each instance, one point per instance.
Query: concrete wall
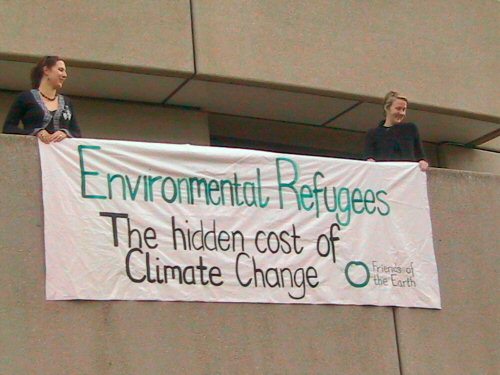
(431, 53)
(463, 337)
(355, 49)
(132, 121)
(84, 337)
(462, 158)
(286, 137)
(150, 35)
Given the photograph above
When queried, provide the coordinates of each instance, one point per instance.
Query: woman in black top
(44, 113)
(392, 139)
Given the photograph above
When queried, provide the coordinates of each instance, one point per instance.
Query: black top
(396, 143)
(31, 110)
(50, 126)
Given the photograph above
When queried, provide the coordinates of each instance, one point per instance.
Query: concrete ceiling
(433, 127)
(96, 83)
(494, 144)
(260, 102)
(248, 101)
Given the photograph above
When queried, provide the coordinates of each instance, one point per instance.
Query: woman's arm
(16, 113)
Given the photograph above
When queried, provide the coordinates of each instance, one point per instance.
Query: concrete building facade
(282, 75)
(264, 73)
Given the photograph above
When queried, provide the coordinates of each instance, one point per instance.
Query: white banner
(147, 221)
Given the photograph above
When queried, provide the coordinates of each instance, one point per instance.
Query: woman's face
(397, 111)
(56, 75)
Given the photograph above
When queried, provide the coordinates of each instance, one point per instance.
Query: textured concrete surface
(138, 34)
(462, 158)
(356, 47)
(139, 122)
(462, 338)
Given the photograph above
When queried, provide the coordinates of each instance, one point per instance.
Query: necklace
(46, 97)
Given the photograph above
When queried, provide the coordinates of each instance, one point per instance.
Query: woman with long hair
(44, 112)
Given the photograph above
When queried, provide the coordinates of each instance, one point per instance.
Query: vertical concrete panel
(468, 159)
(25, 317)
(142, 34)
(463, 337)
(84, 337)
(139, 122)
(432, 53)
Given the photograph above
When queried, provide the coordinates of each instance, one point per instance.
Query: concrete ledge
(455, 157)
(462, 338)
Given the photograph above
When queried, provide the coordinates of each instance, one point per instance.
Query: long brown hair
(37, 71)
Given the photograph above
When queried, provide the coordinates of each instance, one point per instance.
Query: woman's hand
(58, 136)
(424, 166)
(44, 136)
(370, 160)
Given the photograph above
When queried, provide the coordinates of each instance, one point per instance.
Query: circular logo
(357, 263)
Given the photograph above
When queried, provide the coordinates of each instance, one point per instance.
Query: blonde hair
(390, 98)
